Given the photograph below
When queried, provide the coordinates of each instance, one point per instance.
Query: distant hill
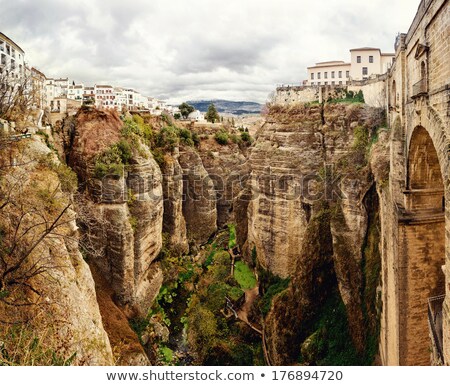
(228, 107)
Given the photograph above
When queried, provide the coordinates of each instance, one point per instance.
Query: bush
(113, 160)
(221, 137)
(195, 139)
(125, 152)
(186, 137)
(158, 156)
(279, 285)
(235, 138)
(245, 136)
(167, 138)
(137, 126)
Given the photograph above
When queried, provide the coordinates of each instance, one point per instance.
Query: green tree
(186, 109)
(212, 115)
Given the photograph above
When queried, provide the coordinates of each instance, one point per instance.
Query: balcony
(435, 325)
(420, 88)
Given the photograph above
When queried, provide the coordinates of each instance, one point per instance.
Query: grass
(244, 276)
(232, 240)
(209, 259)
(166, 354)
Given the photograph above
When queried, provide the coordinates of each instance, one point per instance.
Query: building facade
(12, 57)
(365, 62)
(329, 73)
(75, 92)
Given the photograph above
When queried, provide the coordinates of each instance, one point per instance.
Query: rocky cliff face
(58, 320)
(174, 224)
(228, 169)
(124, 208)
(199, 207)
(307, 219)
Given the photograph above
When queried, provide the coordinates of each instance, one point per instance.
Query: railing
(435, 324)
(420, 88)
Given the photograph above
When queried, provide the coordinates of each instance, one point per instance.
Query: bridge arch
(422, 251)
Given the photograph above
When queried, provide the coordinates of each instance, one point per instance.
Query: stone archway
(422, 253)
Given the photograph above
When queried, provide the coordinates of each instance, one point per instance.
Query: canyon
(322, 239)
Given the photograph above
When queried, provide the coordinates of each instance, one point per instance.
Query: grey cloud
(177, 49)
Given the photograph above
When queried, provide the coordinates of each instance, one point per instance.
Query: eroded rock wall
(199, 205)
(125, 211)
(310, 164)
(54, 299)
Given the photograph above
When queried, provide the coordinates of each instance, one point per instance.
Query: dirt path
(250, 296)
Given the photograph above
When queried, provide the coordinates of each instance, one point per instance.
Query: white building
(367, 61)
(197, 116)
(55, 88)
(104, 96)
(12, 57)
(89, 94)
(38, 86)
(121, 98)
(75, 92)
(332, 73)
(364, 63)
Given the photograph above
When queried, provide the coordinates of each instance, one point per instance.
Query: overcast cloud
(197, 49)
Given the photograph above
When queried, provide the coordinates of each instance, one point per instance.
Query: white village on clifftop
(63, 95)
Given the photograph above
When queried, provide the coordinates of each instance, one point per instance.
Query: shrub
(221, 137)
(186, 137)
(113, 159)
(235, 138)
(245, 136)
(137, 126)
(279, 285)
(195, 139)
(167, 138)
(158, 156)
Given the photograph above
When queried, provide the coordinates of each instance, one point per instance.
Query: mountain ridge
(227, 106)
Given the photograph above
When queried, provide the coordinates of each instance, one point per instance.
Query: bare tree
(17, 93)
(35, 216)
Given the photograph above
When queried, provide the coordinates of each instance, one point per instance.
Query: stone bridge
(415, 210)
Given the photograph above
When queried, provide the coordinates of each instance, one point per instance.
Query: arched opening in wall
(422, 254)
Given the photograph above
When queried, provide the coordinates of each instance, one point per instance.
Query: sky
(181, 50)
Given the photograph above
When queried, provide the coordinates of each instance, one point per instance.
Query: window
(332, 74)
(325, 75)
(347, 74)
(312, 75)
(318, 76)
(340, 74)
(340, 82)
(318, 83)
(364, 71)
(358, 59)
(333, 83)
(370, 59)
(326, 83)
(312, 83)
